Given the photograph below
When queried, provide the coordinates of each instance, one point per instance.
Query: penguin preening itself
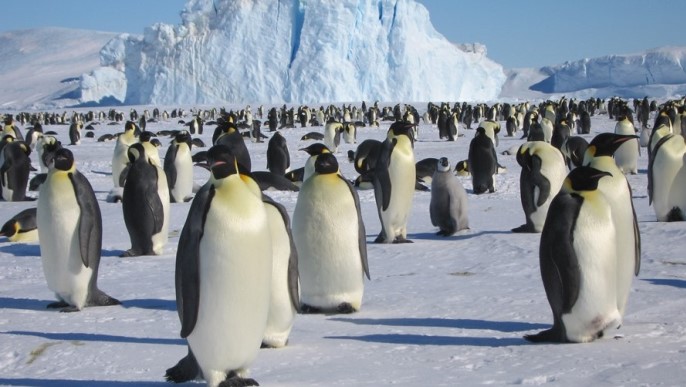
(70, 235)
(543, 171)
(22, 227)
(222, 255)
(578, 258)
(145, 203)
(332, 249)
(394, 183)
(178, 167)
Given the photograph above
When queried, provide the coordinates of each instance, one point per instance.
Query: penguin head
(63, 159)
(325, 164)
(146, 136)
(584, 178)
(136, 152)
(401, 128)
(184, 137)
(605, 144)
(222, 162)
(443, 164)
(10, 228)
(316, 149)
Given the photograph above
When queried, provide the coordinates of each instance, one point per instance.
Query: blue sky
(521, 33)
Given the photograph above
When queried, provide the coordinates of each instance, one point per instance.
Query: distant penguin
(578, 258)
(561, 132)
(536, 132)
(448, 205)
(511, 126)
(666, 191)
(33, 134)
(548, 127)
(462, 168)
(543, 171)
(626, 156)
(349, 131)
(332, 249)
(573, 150)
(224, 273)
(617, 191)
(278, 159)
(15, 167)
(332, 135)
(585, 123)
(119, 157)
(491, 128)
(75, 133)
(312, 136)
(22, 227)
(70, 234)
(178, 167)
(285, 294)
(483, 162)
(145, 203)
(195, 126)
(394, 183)
(227, 134)
(644, 137)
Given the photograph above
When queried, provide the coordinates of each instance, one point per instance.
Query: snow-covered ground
(440, 311)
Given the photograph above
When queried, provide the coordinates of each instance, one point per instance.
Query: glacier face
(294, 51)
(662, 66)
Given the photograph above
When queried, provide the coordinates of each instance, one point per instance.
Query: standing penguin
(227, 134)
(543, 171)
(627, 154)
(448, 206)
(329, 236)
(666, 192)
(178, 168)
(332, 135)
(222, 255)
(15, 167)
(483, 162)
(278, 159)
(70, 234)
(314, 151)
(617, 191)
(119, 157)
(394, 182)
(145, 203)
(75, 133)
(46, 146)
(578, 258)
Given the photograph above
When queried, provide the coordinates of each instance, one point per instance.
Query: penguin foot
(524, 228)
(184, 371)
(445, 233)
(130, 253)
(380, 239)
(345, 308)
(307, 309)
(70, 309)
(400, 239)
(57, 305)
(102, 299)
(551, 335)
(233, 380)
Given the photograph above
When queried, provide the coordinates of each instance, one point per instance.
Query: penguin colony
(573, 192)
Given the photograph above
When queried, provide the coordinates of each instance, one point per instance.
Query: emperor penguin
(448, 205)
(617, 191)
(314, 150)
(75, 132)
(22, 227)
(483, 162)
(349, 133)
(394, 182)
(33, 134)
(548, 126)
(15, 167)
(70, 235)
(543, 171)
(491, 128)
(46, 146)
(178, 168)
(278, 158)
(666, 191)
(222, 255)
(120, 158)
(145, 203)
(366, 156)
(332, 135)
(627, 154)
(227, 134)
(578, 261)
(329, 236)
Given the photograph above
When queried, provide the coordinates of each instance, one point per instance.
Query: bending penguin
(222, 253)
(178, 167)
(578, 261)
(543, 171)
(448, 205)
(145, 204)
(70, 234)
(22, 227)
(332, 250)
(394, 183)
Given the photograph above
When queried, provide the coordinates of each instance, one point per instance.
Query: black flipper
(539, 180)
(361, 233)
(169, 168)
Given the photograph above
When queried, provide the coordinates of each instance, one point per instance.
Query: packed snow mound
(632, 75)
(41, 68)
(294, 51)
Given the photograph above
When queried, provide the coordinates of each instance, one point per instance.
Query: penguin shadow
(24, 303)
(75, 383)
(150, 303)
(677, 283)
(422, 339)
(460, 235)
(112, 253)
(21, 249)
(95, 337)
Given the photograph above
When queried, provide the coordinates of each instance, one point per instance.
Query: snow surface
(441, 311)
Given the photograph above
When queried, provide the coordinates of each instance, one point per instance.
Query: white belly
(57, 218)
(626, 157)
(666, 166)
(402, 172)
(325, 232)
(184, 174)
(555, 171)
(159, 240)
(119, 159)
(235, 268)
